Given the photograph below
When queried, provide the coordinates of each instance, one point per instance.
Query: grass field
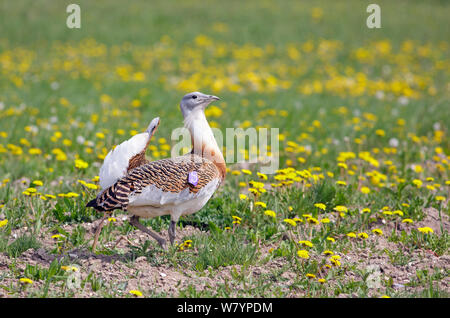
(358, 207)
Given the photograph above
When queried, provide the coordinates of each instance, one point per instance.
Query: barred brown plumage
(169, 175)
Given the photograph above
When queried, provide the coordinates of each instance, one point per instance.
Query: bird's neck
(203, 142)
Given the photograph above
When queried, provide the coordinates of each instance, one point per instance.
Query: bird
(173, 186)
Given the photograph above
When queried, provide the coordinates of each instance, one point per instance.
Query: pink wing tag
(193, 178)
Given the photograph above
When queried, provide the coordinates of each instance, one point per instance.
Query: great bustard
(175, 186)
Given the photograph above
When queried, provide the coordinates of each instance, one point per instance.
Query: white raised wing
(129, 154)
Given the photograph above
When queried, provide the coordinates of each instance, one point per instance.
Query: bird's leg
(134, 220)
(171, 231)
(98, 230)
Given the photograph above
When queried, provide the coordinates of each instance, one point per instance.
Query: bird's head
(195, 101)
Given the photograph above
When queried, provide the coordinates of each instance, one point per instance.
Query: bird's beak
(208, 99)
(212, 98)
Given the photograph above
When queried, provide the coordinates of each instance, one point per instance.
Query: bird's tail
(112, 198)
(94, 204)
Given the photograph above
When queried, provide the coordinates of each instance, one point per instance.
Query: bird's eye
(194, 96)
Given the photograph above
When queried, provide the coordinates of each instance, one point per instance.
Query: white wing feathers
(116, 163)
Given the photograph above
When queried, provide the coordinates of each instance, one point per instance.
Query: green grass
(19, 245)
(334, 88)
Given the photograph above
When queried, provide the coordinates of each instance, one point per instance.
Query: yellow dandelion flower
(328, 252)
(425, 230)
(309, 275)
(312, 221)
(303, 254)
(298, 220)
(351, 234)
(136, 293)
(82, 182)
(365, 190)
(325, 220)
(26, 281)
(408, 221)
(320, 206)
(261, 204)
(377, 232)
(335, 262)
(257, 185)
(290, 222)
(246, 171)
(306, 243)
(92, 186)
(262, 175)
(136, 103)
(439, 198)
(380, 132)
(95, 179)
(31, 190)
(322, 280)
(34, 151)
(340, 208)
(331, 239)
(69, 268)
(270, 213)
(363, 235)
(418, 183)
(242, 197)
(38, 183)
(3, 223)
(81, 164)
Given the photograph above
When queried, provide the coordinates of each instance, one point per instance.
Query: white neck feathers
(201, 133)
(203, 142)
